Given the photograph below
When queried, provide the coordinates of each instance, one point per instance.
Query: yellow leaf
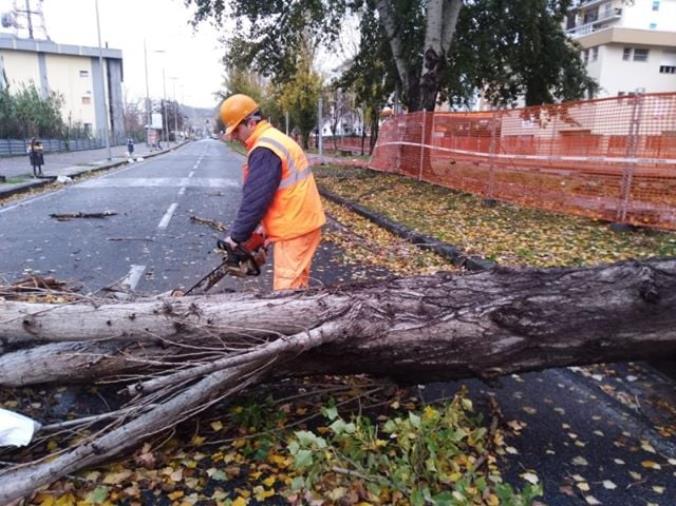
(116, 478)
(583, 485)
(176, 494)
(65, 500)
(240, 501)
(46, 499)
(197, 440)
(216, 426)
(651, 465)
(261, 494)
(269, 481)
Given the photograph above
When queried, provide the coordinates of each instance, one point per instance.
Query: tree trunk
(181, 354)
(505, 319)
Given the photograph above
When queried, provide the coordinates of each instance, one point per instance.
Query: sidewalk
(55, 163)
(67, 164)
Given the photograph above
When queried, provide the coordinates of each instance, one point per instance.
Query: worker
(279, 193)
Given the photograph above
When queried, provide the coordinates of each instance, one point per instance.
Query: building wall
(54, 67)
(22, 68)
(640, 14)
(72, 77)
(619, 76)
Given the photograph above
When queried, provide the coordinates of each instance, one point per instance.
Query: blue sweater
(265, 174)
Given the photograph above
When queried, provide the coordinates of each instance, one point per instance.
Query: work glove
(227, 244)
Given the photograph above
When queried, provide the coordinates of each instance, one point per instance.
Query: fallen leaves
(506, 233)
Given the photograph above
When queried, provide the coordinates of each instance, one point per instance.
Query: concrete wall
(76, 89)
(618, 75)
(22, 68)
(54, 67)
(640, 14)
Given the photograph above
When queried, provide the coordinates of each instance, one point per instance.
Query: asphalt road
(150, 242)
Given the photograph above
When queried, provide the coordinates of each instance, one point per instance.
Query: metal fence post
(632, 149)
(491, 167)
(422, 144)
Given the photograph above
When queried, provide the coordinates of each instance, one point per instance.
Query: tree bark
(419, 329)
(182, 354)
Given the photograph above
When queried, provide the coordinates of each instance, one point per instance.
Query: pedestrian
(130, 146)
(36, 156)
(279, 193)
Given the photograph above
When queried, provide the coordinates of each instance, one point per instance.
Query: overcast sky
(192, 57)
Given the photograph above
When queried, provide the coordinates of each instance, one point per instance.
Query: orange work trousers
(292, 260)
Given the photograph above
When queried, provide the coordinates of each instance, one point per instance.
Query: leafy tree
(26, 114)
(262, 90)
(372, 75)
(300, 96)
(439, 49)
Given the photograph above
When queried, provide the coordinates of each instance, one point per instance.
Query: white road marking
(182, 190)
(153, 182)
(192, 173)
(134, 276)
(164, 222)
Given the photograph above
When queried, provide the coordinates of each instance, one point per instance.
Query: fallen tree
(177, 356)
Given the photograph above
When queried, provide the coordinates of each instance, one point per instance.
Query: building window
(585, 55)
(626, 54)
(87, 128)
(656, 5)
(667, 69)
(653, 26)
(84, 73)
(86, 100)
(640, 54)
(595, 53)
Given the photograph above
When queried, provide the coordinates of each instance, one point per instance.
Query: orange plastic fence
(612, 159)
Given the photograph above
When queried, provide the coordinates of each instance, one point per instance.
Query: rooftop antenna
(30, 18)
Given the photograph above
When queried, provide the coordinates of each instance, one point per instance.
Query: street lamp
(105, 109)
(149, 119)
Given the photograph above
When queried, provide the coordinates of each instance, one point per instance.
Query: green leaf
(339, 427)
(414, 419)
(330, 412)
(298, 483)
(303, 459)
(98, 495)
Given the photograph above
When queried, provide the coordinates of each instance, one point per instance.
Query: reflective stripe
(296, 177)
(294, 174)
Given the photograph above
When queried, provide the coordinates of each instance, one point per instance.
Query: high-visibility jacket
(296, 208)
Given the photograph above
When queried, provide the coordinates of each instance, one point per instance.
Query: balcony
(611, 14)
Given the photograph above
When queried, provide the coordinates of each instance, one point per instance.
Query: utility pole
(105, 108)
(149, 118)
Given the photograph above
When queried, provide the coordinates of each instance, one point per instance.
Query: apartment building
(87, 88)
(628, 45)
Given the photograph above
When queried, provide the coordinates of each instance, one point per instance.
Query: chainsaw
(245, 259)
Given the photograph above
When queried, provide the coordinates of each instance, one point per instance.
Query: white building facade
(86, 87)
(628, 46)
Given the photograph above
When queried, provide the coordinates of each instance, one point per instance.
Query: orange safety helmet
(236, 109)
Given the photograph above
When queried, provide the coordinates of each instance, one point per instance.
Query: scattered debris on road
(70, 216)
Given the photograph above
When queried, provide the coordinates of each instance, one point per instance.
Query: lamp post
(174, 79)
(149, 118)
(105, 109)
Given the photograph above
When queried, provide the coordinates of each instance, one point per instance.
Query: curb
(24, 187)
(448, 251)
